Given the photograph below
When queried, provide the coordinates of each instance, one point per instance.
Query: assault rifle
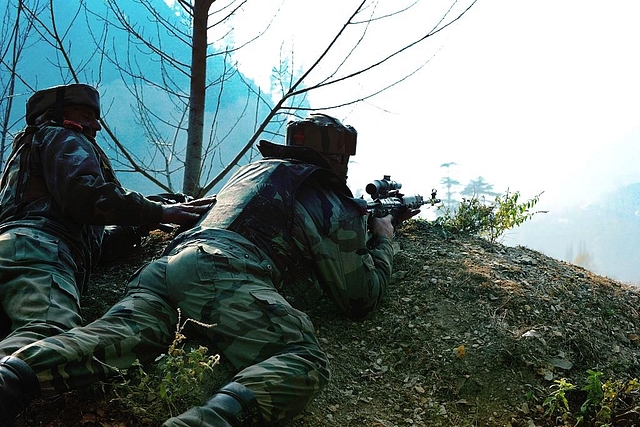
(387, 199)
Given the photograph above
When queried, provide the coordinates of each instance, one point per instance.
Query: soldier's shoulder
(50, 132)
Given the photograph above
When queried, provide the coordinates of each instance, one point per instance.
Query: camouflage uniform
(279, 228)
(57, 192)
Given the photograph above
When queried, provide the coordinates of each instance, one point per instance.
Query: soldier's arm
(74, 176)
(352, 269)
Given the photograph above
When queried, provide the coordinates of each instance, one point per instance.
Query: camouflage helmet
(323, 133)
(59, 96)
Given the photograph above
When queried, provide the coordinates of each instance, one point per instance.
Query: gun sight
(381, 188)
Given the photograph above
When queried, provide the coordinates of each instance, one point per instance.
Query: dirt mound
(470, 333)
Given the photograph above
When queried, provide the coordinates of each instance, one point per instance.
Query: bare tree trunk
(193, 159)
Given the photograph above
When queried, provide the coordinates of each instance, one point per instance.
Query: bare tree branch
(11, 46)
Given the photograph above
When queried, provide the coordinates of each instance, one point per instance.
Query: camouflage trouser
(38, 289)
(272, 345)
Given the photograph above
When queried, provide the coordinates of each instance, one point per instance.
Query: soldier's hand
(409, 213)
(189, 212)
(381, 226)
(208, 202)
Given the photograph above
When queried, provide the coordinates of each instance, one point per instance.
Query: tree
(193, 161)
(448, 182)
(478, 188)
(183, 47)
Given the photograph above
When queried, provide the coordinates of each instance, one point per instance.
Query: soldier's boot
(18, 385)
(234, 405)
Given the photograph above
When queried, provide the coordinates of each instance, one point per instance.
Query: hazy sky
(532, 95)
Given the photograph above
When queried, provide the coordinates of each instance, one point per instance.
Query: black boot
(18, 385)
(234, 405)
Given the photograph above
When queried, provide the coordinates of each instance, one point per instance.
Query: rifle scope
(380, 188)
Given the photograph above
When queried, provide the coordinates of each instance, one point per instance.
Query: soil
(471, 333)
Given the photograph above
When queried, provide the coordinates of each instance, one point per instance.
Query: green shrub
(178, 380)
(488, 219)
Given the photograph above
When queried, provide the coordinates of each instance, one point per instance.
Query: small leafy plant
(178, 380)
(619, 402)
(594, 391)
(488, 219)
(557, 400)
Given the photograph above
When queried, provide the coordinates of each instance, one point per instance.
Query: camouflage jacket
(305, 220)
(59, 180)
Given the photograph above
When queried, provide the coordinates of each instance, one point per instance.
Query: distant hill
(603, 236)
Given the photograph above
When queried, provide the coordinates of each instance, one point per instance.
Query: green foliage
(594, 391)
(618, 397)
(557, 400)
(180, 379)
(472, 216)
(604, 404)
(491, 220)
